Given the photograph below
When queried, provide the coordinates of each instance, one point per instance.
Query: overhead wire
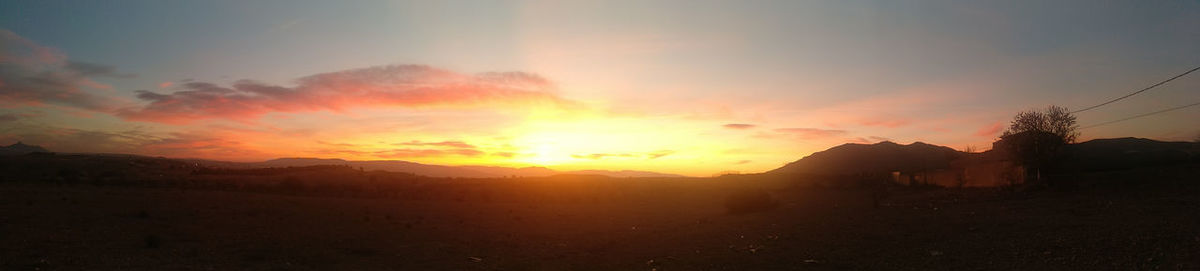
(1142, 115)
(1139, 91)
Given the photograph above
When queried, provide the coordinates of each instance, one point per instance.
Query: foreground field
(78, 227)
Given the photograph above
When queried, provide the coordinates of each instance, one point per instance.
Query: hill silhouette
(882, 157)
(1128, 152)
(1096, 155)
(20, 149)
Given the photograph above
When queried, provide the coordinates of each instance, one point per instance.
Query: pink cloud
(410, 86)
(205, 144)
(893, 123)
(990, 130)
(858, 140)
(32, 75)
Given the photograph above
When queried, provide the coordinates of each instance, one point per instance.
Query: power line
(1139, 91)
(1142, 115)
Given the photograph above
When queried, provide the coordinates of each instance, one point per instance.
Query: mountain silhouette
(21, 149)
(1128, 152)
(882, 157)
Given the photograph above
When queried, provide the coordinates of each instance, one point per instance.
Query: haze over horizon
(689, 88)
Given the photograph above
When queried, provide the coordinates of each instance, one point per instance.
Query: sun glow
(545, 154)
(604, 142)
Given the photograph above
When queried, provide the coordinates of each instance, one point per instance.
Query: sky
(686, 87)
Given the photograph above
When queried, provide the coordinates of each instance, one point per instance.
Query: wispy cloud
(888, 123)
(811, 133)
(412, 86)
(424, 153)
(343, 145)
(597, 156)
(739, 126)
(10, 117)
(452, 144)
(174, 144)
(647, 156)
(990, 130)
(659, 154)
(32, 74)
(858, 140)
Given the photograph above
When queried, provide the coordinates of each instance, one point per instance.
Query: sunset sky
(685, 87)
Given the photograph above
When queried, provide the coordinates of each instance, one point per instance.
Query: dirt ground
(83, 227)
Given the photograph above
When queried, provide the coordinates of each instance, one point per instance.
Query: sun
(546, 154)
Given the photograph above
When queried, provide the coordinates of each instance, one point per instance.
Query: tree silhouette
(1035, 138)
(1054, 119)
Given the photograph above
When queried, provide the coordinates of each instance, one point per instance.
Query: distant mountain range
(1093, 155)
(20, 149)
(432, 170)
(846, 159)
(1129, 152)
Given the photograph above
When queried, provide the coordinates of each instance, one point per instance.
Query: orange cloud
(386, 86)
(196, 145)
(453, 144)
(416, 153)
(344, 145)
(648, 156)
(504, 154)
(739, 126)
